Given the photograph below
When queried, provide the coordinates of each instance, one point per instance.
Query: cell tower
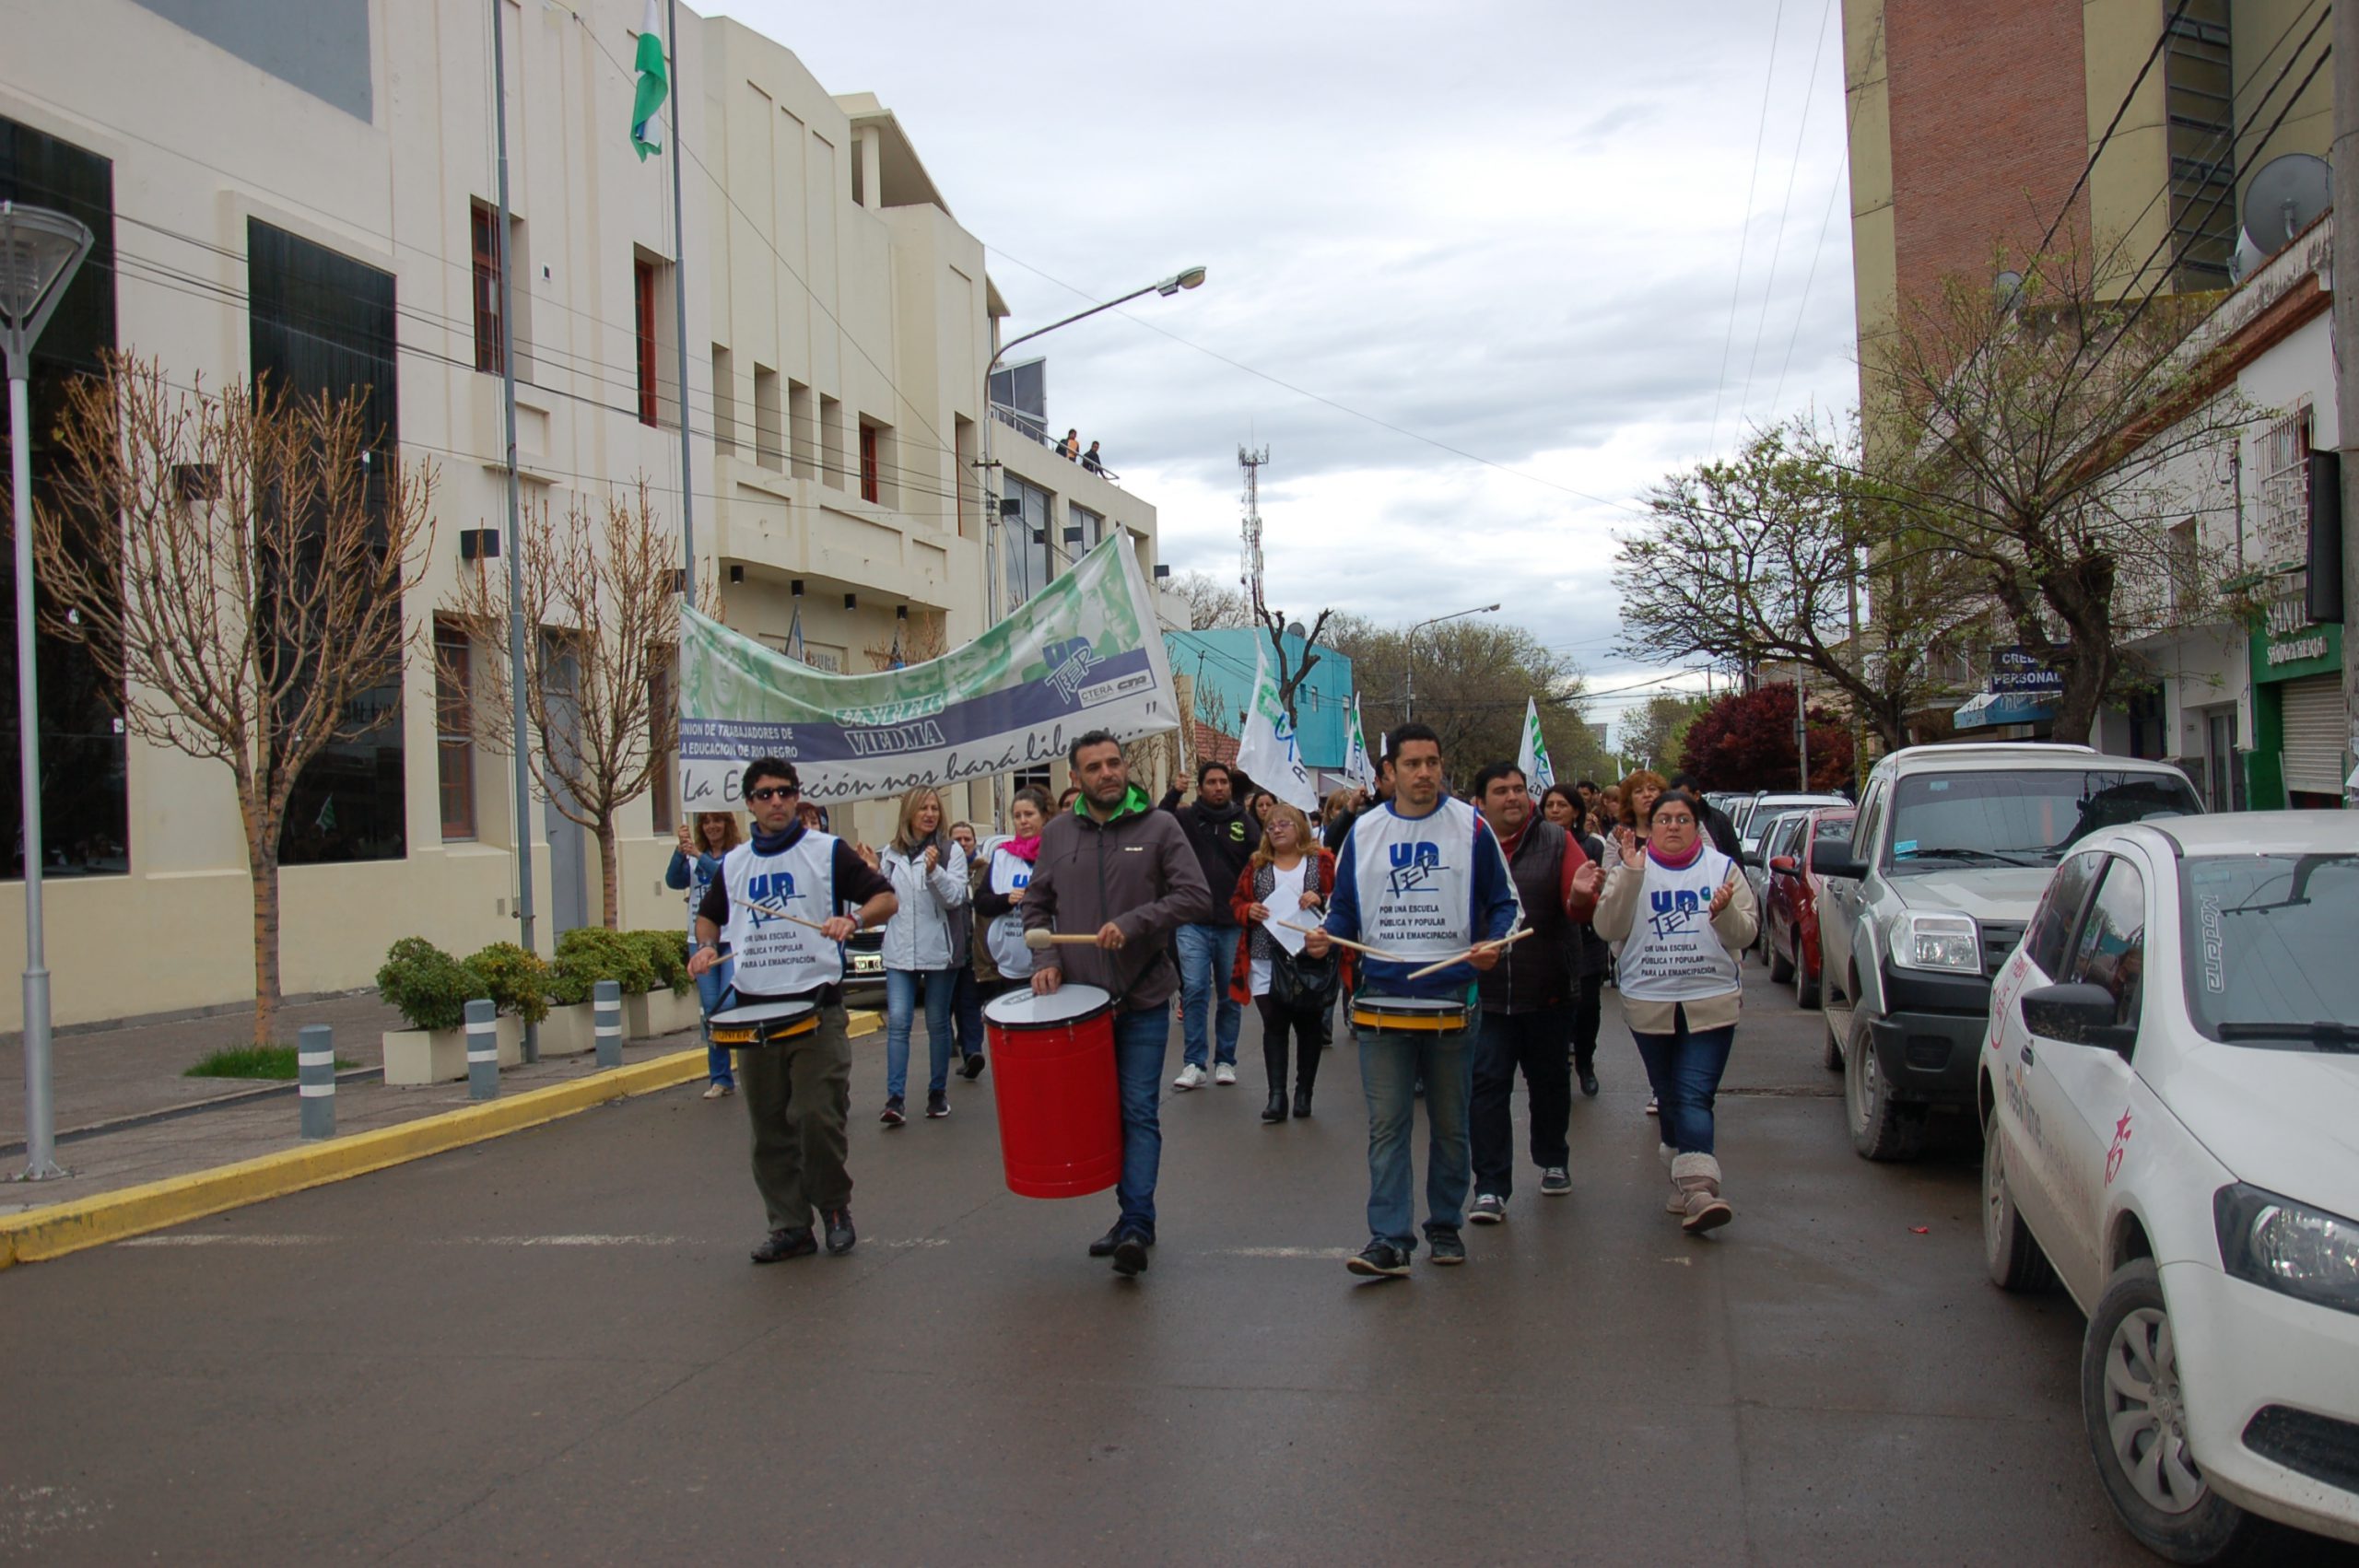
(1250, 574)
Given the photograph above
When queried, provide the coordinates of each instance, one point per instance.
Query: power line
(1769, 288)
(2161, 39)
(1745, 223)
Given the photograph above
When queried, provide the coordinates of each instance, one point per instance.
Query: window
(642, 294)
(83, 810)
(1026, 537)
(802, 427)
(831, 440)
(454, 738)
(2022, 818)
(1093, 530)
(970, 499)
(724, 401)
(869, 488)
(2200, 106)
(2112, 949)
(2266, 939)
(2282, 531)
(322, 323)
(490, 342)
(663, 735)
(769, 449)
(2051, 923)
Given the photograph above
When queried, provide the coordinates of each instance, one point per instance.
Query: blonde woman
(1282, 892)
(925, 942)
(695, 862)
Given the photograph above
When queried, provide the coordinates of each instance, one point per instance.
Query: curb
(44, 1233)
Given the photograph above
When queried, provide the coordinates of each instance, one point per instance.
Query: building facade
(306, 190)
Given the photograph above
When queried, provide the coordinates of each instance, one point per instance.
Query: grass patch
(253, 1061)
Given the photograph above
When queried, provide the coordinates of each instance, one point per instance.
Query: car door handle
(2025, 1054)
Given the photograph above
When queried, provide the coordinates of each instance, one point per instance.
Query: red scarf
(1024, 848)
(1660, 859)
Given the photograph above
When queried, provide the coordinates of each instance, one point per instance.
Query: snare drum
(764, 1024)
(1060, 1111)
(1408, 1016)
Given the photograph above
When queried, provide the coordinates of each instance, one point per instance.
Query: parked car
(1769, 811)
(2170, 1104)
(865, 968)
(1953, 846)
(1789, 911)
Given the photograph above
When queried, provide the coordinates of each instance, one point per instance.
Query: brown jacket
(1137, 871)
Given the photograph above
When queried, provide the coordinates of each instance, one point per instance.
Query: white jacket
(919, 934)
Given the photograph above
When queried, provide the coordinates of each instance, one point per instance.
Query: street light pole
(1409, 647)
(996, 532)
(39, 251)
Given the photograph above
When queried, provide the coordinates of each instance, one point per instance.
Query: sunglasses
(774, 792)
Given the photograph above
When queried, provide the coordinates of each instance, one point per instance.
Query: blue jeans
(711, 987)
(1141, 1039)
(1390, 1066)
(966, 1007)
(902, 988)
(1683, 1068)
(1207, 953)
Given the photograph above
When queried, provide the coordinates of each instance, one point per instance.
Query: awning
(2002, 707)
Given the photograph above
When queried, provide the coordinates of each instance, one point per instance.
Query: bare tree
(235, 564)
(1473, 680)
(1659, 729)
(1292, 673)
(601, 618)
(920, 640)
(1212, 603)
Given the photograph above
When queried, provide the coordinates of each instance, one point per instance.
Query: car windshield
(2021, 819)
(2268, 942)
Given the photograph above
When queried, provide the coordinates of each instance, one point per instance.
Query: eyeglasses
(774, 792)
(1662, 820)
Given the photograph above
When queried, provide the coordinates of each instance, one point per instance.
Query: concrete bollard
(315, 1079)
(483, 1051)
(606, 1022)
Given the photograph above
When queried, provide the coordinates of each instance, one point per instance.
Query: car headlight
(2287, 1246)
(1946, 943)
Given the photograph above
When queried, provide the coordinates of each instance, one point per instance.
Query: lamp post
(994, 539)
(39, 251)
(1409, 650)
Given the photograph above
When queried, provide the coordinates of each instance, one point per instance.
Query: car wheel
(1880, 1130)
(1806, 985)
(2009, 1249)
(1781, 968)
(1834, 1057)
(2131, 1404)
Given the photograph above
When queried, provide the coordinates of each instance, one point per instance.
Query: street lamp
(994, 574)
(39, 250)
(1409, 648)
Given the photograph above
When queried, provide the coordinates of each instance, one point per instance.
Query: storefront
(2301, 730)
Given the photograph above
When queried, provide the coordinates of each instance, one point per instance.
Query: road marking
(1318, 1252)
(220, 1239)
(217, 1239)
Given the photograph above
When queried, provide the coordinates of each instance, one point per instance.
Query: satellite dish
(1294, 628)
(2290, 191)
(2249, 256)
(2007, 287)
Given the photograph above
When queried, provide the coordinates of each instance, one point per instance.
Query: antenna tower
(1250, 576)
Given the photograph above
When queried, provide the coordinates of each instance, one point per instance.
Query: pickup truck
(1952, 850)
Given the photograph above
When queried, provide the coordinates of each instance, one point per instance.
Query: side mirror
(1783, 865)
(2077, 1015)
(1834, 865)
(1750, 858)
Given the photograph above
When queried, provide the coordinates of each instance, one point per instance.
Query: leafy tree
(1473, 679)
(1745, 741)
(1653, 736)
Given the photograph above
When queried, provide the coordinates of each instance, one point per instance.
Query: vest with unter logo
(1672, 953)
(1415, 880)
(778, 957)
(1004, 937)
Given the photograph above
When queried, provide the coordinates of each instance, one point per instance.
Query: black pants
(1589, 1000)
(1533, 1043)
(1308, 1026)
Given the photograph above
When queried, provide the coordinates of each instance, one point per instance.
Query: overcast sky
(1511, 228)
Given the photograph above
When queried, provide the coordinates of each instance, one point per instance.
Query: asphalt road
(552, 1348)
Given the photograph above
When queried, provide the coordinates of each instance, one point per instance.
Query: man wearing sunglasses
(797, 1092)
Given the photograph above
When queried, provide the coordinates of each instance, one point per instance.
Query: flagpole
(680, 309)
(524, 823)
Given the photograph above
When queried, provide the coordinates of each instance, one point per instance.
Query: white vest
(1672, 953)
(1415, 880)
(1004, 937)
(778, 957)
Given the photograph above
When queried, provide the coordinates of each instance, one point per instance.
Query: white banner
(1538, 771)
(1267, 751)
(1357, 766)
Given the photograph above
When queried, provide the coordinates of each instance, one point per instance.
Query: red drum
(1060, 1111)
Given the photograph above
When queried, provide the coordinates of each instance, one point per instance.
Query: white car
(2169, 1096)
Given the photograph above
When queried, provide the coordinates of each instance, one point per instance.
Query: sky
(1561, 250)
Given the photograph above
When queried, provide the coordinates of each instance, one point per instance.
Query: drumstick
(1342, 942)
(1503, 942)
(780, 913)
(1039, 938)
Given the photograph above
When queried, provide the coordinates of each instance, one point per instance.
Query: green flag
(654, 86)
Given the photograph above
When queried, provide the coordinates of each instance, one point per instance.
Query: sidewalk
(125, 1115)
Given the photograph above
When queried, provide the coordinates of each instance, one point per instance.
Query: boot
(1698, 1177)
(1276, 1109)
(1302, 1101)
(1677, 1202)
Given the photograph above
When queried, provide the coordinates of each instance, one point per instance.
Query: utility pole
(2346, 343)
(516, 742)
(1802, 730)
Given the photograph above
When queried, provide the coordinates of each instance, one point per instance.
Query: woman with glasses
(926, 939)
(1683, 912)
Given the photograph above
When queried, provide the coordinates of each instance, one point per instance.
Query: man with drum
(776, 904)
(1115, 868)
(1421, 883)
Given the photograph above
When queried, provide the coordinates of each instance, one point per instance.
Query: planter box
(660, 1013)
(439, 1056)
(567, 1031)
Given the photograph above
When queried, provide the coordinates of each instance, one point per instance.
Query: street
(551, 1347)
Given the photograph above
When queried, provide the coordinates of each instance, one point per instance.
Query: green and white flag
(1538, 771)
(654, 86)
(1357, 766)
(1267, 751)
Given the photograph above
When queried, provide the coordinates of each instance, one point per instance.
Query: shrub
(667, 955)
(425, 984)
(515, 981)
(589, 953)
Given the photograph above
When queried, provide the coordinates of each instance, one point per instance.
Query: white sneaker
(1223, 1073)
(1191, 1077)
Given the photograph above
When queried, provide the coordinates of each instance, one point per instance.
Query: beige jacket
(1617, 907)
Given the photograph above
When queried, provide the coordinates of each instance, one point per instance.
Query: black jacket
(1224, 841)
(1720, 830)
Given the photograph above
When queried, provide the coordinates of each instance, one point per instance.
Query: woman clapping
(1281, 895)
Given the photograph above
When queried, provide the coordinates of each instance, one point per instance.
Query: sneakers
(1445, 1248)
(1654, 1107)
(1379, 1259)
(892, 1116)
(1129, 1255)
(937, 1105)
(1555, 1181)
(1223, 1073)
(794, 1242)
(840, 1235)
(1489, 1209)
(719, 1090)
(1191, 1077)
(974, 1068)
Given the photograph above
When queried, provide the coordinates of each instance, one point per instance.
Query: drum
(1053, 1071)
(764, 1024)
(1408, 1016)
